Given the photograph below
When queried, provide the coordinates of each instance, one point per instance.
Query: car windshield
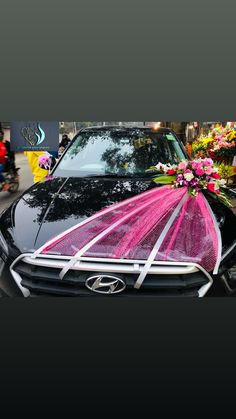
(118, 152)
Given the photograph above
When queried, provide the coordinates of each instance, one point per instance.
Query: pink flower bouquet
(44, 161)
(197, 175)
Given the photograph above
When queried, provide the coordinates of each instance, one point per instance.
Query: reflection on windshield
(118, 152)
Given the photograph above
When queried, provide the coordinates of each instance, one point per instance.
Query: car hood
(56, 204)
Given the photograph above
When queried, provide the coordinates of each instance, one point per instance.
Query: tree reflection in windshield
(118, 151)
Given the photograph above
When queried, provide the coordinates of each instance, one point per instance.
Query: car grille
(45, 280)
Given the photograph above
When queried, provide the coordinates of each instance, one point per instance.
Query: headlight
(3, 245)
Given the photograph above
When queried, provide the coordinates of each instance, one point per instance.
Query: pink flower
(182, 165)
(207, 162)
(200, 172)
(215, 175)
(212, 188)
(219, 137)
(196, 164)
(170, 172)
(208, 170)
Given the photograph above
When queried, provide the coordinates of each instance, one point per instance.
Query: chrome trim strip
(116, 267)
(17, 277)
(228, 251)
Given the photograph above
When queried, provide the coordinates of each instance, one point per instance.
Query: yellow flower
(231, 135)
(225, 170)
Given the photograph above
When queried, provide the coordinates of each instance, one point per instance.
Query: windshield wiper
(116, 175)
(108, 175)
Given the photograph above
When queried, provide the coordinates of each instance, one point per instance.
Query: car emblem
(105, 284)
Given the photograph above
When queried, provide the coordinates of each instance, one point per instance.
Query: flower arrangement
(201, 146)
(219, 145)
(225, 171)
(197, 175)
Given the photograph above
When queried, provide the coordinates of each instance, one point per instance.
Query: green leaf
(164, 179)
(221, 197)
(152, 169)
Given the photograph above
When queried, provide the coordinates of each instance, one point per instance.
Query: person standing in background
(3, 153)
(38, 173)
(10, 158)
(191, 132)
(64, 143)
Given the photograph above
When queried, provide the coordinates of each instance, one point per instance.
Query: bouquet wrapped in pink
(45, 161)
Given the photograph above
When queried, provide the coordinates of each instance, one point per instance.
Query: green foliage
(151, 169)
(222, 197)
(165, 180)
(225, 170)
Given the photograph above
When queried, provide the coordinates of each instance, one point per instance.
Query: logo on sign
(33, 136)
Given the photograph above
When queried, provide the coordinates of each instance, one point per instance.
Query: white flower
(164, 167)
(222, 182)
(159, 166)
(188, 176)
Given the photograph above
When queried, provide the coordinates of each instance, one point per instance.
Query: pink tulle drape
(154, 219)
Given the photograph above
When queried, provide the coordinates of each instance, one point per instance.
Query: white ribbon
(159, 242)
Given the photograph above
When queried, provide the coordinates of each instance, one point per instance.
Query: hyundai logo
(105, 284)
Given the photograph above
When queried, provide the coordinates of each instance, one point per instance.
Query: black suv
(102, 166)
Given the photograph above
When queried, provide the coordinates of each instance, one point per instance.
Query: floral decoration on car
(197, 175)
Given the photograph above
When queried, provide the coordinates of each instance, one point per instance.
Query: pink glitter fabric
(132, 228)
(193, 236)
